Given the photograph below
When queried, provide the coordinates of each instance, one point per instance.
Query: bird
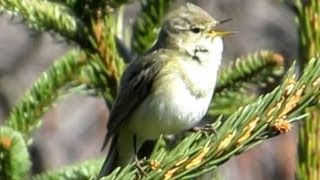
(168, 89)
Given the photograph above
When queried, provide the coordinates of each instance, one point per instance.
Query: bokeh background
(74, 129)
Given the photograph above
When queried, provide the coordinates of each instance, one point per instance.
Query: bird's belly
(168, 111)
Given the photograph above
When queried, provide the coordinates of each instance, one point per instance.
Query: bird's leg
(135, 145)
(136, 159)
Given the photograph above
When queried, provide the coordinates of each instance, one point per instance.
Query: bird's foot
(139, 167)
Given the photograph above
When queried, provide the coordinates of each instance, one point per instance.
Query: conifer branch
(227, 102)
(24, 117)
(234, 81)
(104, 43)
(83, 171)
(47, 16)
(308, 21)
(146, 27)
(91, 80)
(308, 28)
(258, 68)
(270, 115)
(14, 157)
(63, 74)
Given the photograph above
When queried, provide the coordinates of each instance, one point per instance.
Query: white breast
(172, 107)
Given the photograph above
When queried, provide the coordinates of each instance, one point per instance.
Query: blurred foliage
(82, 171)
(25, 116)
(147, 25)
(233, 88)
(308, 20)
(14, 157)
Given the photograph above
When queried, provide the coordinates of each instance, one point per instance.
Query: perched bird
(168, 89)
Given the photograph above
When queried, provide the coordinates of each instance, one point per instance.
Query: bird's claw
(139, 167)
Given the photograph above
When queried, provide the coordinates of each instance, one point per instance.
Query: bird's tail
(111, 161)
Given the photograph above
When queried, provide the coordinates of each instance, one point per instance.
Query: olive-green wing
(136, 85)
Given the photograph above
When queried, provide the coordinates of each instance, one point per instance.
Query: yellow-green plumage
(169, 89)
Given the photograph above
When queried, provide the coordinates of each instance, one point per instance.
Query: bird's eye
(195, 30)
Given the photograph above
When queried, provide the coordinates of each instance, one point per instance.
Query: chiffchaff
(168, 89)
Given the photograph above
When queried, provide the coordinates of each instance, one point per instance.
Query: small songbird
(168, 89)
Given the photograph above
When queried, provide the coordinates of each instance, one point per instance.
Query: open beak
(214, 33)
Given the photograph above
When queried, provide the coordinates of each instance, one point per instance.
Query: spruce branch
(236, 79)
(101, 75)
(308, 21)
(258, 68)
(47, 16)
(91, 80)
(24, 117)
(307, 18)
(147, 24)
(63, 75)
(270, 115)
(14, 158)
(83, 171)
(227, 102)
(104, 43)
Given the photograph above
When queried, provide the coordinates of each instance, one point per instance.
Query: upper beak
(224, 21)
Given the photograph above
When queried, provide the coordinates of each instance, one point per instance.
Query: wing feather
(136, 84)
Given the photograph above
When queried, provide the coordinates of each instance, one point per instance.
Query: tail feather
(111, 161)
